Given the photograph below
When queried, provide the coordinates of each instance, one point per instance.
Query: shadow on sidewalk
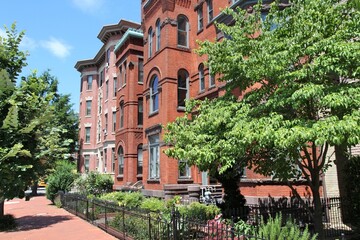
(27, 223)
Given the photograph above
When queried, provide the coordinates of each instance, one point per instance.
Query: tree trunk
(34, 189)
(341, 163)
(318, 224)
(2, 207)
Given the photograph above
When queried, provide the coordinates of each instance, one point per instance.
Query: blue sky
(58, 33)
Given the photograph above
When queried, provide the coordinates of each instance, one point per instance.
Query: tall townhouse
(174, 73)
(138, 82)
(98, 106)
(129, 97)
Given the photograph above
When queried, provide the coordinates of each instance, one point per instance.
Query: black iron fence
(125, 223)
(136, 224)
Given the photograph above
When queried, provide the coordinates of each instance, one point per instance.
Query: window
(211, 78)
(108, 57)
(124, 83)
(113, 121)
(89, 82)
(183, 31)
(86, 163)
(105, 160)
(154, 94)
(87, 134)
(141, 71)
(107, 89)
(106, 124)
(154, 162)
(112, 160)
(140, 112)
(81, 84)
(201, 78)
(184, 169)
(101, 78)
(88, 107)
(121, 76)
(200, 18)
(114, 86)
(210, 10)
(121, 113)
(158, 35)
(150, 42)
(183, 77)
(99, 131)
(121, 160)
(139, 160)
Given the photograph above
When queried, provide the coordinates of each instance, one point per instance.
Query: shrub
(132, 200)
(154, 205)
(199, 211)
(7, 222)
(273, 230)
(94, 183)
(61, 179)
(116, 197)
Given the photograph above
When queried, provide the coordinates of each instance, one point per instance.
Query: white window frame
(154, 157)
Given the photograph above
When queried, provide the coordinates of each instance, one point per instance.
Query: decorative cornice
(131, 32)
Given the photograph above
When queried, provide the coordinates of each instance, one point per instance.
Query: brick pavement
(37, 219)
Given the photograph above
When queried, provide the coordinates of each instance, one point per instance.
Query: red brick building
(153, 69)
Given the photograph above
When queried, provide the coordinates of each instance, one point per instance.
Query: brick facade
(164, 45)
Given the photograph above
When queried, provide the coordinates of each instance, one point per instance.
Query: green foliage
(199, 211)
(61, 179)
(353, 178)
(132, 200)
(116, 197)
(32, 134)
(274, 230)
(154, 205)
(244, 228)
(134, 226)
(95, 184)
(7, 222)
(303, 98)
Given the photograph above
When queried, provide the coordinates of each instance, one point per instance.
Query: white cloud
(57, 47)
(88, 5)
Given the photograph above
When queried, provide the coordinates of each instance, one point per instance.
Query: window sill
(87, 143)
(185, 180)
(153, 180)
(211, 87)
(88, 116)
(181, 109)
(184, 48)
(139, 176)
(120, 176)
(154, 113)
(201, 91)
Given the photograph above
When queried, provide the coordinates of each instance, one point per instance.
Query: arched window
(183, 86)
(154, 94)
(121, 113)
(183, 31)
(140, 112)
(158, 35)
(121, 160)
(140, 159)
(201, 78)
(150, 44)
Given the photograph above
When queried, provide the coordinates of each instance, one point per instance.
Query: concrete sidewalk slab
(38, 219)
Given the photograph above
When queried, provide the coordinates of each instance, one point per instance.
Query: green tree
(301, 64)
(34, 132)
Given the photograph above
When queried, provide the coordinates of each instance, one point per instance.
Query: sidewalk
(37, 219)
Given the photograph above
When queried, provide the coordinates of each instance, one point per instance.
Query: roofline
(129, 33)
